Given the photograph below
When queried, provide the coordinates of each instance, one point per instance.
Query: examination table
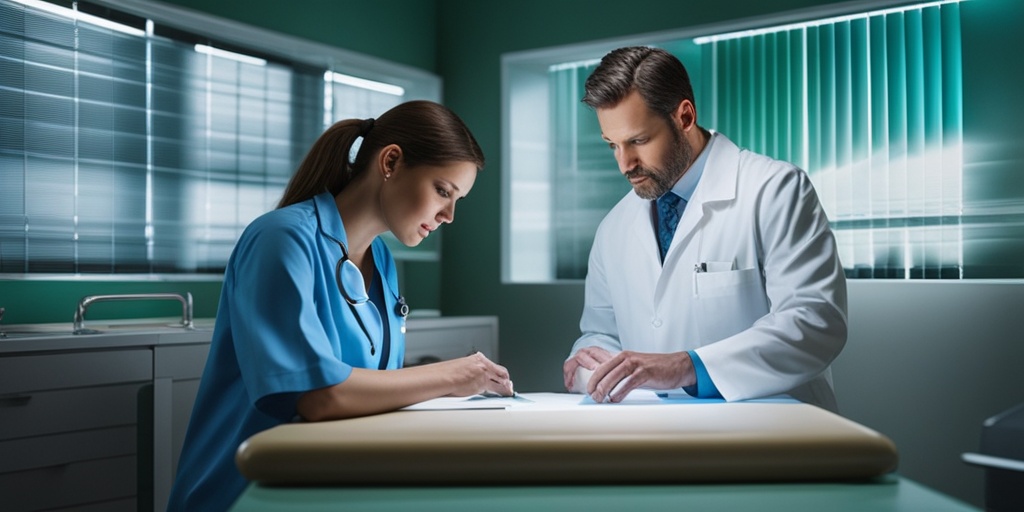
(551, 451)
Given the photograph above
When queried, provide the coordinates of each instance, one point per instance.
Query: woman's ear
(388, 159)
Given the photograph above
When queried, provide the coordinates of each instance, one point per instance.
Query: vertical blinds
(871, 106)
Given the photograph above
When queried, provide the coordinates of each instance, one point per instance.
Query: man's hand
(614, 378)
(584, 361)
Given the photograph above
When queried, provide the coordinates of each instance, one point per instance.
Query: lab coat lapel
(718, 183)
(721, 172)
(642, 232)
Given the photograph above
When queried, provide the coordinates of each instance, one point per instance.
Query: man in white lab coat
(745, 299)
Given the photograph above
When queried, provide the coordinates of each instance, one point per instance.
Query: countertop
(113, 334)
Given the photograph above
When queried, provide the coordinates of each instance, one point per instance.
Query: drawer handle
(14, 400)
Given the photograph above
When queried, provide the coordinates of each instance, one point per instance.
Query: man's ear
(685, 115)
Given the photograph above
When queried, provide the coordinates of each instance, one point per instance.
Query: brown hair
(427, 132)
(658, 76)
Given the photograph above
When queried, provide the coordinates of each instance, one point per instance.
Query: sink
(142, 326)
(77, 328)
(99, 327)
(14, 335)
(34, 330)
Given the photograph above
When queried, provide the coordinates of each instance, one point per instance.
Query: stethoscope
(346, 271)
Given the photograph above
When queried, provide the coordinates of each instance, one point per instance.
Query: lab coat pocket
(729, 302)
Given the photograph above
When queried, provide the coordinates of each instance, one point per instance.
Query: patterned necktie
(668, 218)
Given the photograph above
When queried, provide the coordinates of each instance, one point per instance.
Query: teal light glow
(871, 107)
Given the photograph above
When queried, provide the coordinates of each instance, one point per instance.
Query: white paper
(565, 401)
(448, 403)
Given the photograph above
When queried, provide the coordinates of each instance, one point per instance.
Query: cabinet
(68, 428)
(177, 370)
(97, 422)
(428, 340)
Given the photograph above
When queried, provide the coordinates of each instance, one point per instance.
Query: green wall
(55, 301)
(401, 31)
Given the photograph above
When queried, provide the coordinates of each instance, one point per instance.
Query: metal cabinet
(99, 421)
(177, 371)
(428, 340)
(68, 428)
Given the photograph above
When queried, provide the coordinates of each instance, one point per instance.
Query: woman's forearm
(367, 392)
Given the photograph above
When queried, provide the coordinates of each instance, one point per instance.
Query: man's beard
(662, 180)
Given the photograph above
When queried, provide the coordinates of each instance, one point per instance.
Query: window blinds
(871, 107)
(125, 151)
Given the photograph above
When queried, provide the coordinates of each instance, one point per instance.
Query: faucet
(186, 307)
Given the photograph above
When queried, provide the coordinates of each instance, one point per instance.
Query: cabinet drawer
(19, 374)
(66, 410)
(89, 482)
(439, 342)
(61, 449)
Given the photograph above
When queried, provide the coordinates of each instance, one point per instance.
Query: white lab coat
(769, 314)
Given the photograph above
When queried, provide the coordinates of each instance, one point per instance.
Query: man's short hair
(659, 77)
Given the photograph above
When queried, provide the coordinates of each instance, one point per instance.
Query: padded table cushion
(720, 442)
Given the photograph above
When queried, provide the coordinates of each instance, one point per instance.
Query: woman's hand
(475, 374)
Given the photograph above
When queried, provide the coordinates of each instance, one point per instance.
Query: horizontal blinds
(129, 152)
(72, 114)
(871, 107)
(236, 151)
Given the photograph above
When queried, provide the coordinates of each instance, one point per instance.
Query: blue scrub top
(283, 328)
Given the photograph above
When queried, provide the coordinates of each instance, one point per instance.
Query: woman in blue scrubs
(310, 324)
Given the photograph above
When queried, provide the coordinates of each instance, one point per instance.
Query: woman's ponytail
(326, 166)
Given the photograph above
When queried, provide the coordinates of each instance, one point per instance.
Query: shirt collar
(328, 216)
(686, 185)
